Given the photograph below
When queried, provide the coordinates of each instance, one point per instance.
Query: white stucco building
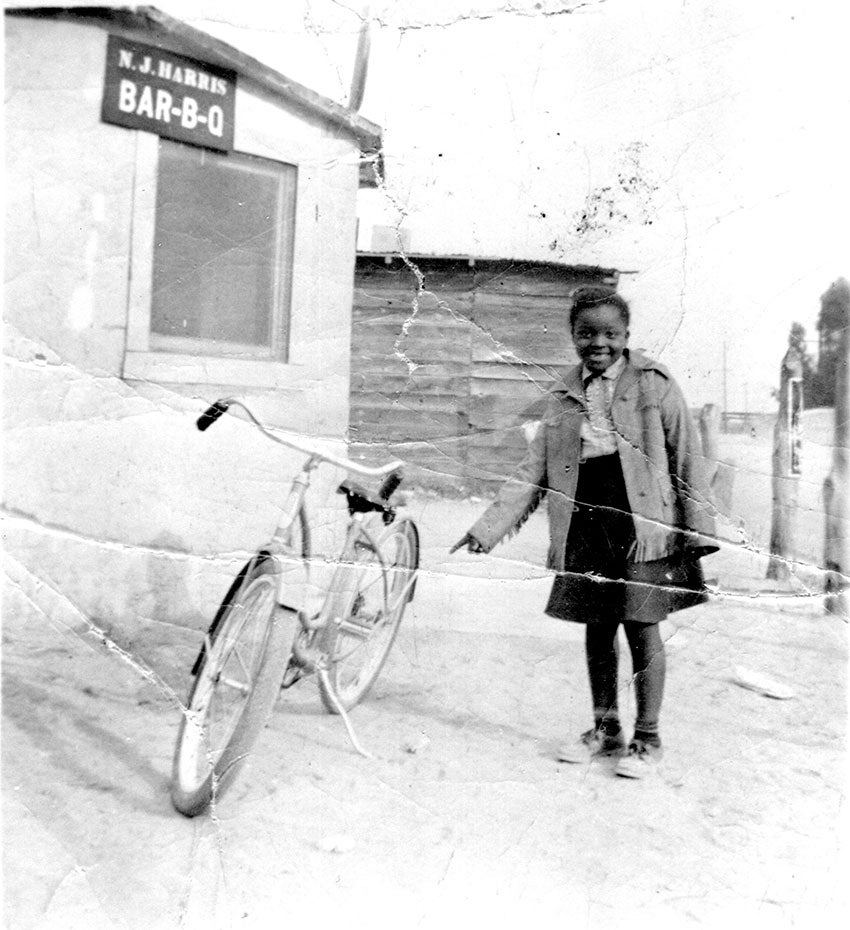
(180, 225)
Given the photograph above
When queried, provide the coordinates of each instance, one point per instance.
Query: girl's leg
(602, 650)
(649, 665)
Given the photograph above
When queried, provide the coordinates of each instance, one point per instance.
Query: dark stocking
(602, 652)
(648, 665)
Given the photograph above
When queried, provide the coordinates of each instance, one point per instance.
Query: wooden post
(720, 475)
(837, 489)
(785, 470)
(709, 428)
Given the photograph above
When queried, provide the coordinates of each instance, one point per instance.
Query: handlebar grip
(211, 414)
(391, 482)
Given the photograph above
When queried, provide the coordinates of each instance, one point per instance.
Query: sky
(698, 143)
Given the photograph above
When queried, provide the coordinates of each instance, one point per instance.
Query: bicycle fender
(411, 528)
(415, 530)
(232, 591)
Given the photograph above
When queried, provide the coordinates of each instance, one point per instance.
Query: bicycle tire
(358, 646)
(251, 630)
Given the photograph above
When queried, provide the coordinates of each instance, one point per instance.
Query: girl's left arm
(688, 471)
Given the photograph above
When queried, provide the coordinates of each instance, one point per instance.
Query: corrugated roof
(482, 259)
(215, 51)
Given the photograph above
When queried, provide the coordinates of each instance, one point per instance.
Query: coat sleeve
(688, 472)
(518, 497)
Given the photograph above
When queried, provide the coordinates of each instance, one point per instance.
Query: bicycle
(246, 658)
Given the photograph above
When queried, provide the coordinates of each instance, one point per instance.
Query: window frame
(277, 347)
(187, 362)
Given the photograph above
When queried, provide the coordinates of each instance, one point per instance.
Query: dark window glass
(222, 253)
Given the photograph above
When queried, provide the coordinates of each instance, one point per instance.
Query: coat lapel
(571, 386)
(626, 382)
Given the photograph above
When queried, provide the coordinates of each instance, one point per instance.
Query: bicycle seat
(360, 500)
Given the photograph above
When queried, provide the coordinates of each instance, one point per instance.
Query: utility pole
(361, 64)
(786, 471)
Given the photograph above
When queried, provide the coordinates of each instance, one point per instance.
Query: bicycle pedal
(292, 674)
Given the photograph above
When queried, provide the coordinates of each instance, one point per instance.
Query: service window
(222, 259)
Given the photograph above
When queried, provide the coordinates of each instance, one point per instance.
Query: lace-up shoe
(640, 761)
(591, 745)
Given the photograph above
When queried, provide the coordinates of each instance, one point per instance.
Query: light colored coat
(661, 458)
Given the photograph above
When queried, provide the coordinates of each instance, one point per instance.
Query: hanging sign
(173, 96)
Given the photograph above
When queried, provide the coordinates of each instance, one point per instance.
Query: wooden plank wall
(444, 377)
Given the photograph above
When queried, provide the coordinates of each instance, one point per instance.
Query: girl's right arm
(517, 499)
(471, 543)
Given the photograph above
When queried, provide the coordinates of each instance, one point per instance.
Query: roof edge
(482, 259)
(367, 133)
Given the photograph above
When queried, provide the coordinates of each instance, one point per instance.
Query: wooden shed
(451, 355)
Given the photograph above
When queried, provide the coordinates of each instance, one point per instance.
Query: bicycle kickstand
(325, 678)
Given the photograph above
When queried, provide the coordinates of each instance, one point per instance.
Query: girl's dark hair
(594, 296)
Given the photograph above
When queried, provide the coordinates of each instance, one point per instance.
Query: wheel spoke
(378, 577)
(395, 599)
(225, 680)
(239, 686)
(237, 654)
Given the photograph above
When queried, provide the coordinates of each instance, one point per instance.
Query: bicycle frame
(310, 650)
(283, 549)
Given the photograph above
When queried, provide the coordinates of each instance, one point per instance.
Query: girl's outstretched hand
(470, 542)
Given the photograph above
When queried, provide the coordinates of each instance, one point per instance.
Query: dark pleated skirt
(600, 582)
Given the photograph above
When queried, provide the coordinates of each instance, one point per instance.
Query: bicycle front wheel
(382, 584)
(237, 680)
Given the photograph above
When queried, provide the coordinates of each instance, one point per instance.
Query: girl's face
(600, 335)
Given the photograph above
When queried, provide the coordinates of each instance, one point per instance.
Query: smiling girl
(618, 455)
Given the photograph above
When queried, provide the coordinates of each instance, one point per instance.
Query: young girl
(619, 457)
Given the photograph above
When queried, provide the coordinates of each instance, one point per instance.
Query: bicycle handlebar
(220, 407)
(211, 414)
(389, 485)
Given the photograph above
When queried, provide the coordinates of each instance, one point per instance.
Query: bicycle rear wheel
(382, 584)
(237, 679)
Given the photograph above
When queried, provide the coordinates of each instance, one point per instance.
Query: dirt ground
(463, 816)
